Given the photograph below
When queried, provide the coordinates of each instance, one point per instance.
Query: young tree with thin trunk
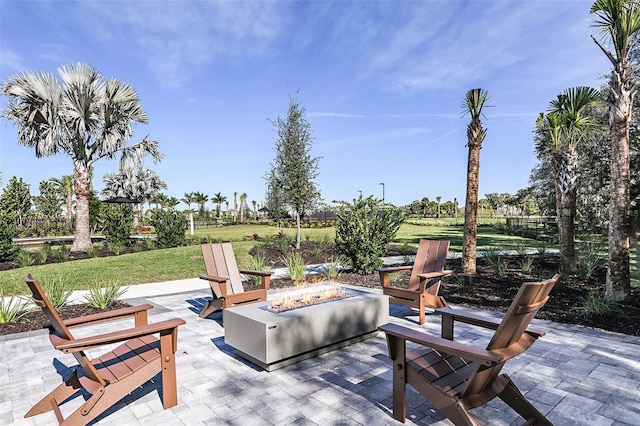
(293, 168)
(83, 114)
(474, 102)
(619, 21)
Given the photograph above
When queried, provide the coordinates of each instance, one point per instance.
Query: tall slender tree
(619, 22)
(84, 115)
(473, 104)
(294, 169)
(243, 206)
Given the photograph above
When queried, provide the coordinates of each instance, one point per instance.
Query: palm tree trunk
(566, 164)
(618, 283)
(471, 212)
(82, 182)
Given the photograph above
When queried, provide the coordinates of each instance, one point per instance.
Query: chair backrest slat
(529, 299)
(219, 260)
(431, 257)
(41, 299)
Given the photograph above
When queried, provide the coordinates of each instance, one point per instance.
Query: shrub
(24, 259)
(589, 261)
(57, 292)
(494, 259)
(257, 263)
(332, 269)
(61, 254)
(295, 265)
(118, 222)
(170, 227)
(7, 231)
(43, 253)
(364, 231)
(596, 304)
(526, 264)
(11, 308)
(103, 297)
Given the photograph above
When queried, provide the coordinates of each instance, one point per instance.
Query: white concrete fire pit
(274, 340)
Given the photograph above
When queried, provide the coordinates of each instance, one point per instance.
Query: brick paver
(576, 375)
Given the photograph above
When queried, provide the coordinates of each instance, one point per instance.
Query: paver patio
(576, 375)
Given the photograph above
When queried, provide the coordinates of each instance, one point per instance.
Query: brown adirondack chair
(118, 372)
(424, 282)
(456, 377)
(225, 281)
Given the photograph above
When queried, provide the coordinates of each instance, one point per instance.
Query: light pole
(382, 183)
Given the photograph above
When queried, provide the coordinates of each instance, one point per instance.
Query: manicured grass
(186, 262)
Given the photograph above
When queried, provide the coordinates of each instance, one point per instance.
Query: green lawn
(186, 262)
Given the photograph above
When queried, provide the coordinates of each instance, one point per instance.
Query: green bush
(118, 222)
(104, 297)
(364, 231)
(7, 231)
(170, 227)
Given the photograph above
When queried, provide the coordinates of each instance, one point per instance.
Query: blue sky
(382, 83)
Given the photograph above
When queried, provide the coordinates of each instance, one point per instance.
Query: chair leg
(168, 360)
(459, 415)
(210, 307)
(514, 398)
(59, 394)
(422, 318)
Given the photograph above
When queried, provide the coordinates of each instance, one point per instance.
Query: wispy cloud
(177, 39)
(11, 62)
(381, 137)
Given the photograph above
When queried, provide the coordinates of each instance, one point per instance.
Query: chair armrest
(213, 278)
(436, 274)
(470, 353)
(253, 272)
(480, 320)
(85, 343)
(106, 316)
(389, 269)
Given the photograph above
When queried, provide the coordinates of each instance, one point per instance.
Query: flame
(306, 294)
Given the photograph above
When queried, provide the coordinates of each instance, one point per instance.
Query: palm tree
(564, 127)
(84, 115)
(243, 206)
(140, 184)
(188, 199)
(473, 104)
(65, 186)
(619, 21)
(235, 206)
(200, 199)
(255, 210)
(438, 198)
(218, 199)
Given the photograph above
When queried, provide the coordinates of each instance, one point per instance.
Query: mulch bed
(489, 291)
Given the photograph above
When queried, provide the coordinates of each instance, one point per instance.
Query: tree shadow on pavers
(65, 372)
(231, 352)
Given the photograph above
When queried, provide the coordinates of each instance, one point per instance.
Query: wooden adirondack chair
(225, 281)
(424, 282)
(118, 372)
(456, 377)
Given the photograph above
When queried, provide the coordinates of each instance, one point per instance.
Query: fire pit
(276, 339)
(305, 295)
